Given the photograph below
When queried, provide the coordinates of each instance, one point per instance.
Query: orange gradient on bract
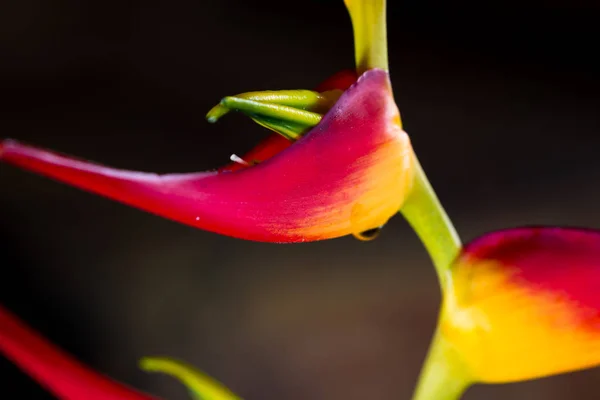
(509, 327)
(350, 173)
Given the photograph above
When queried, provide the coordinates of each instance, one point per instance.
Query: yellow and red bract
(524, 303)
(349, 174)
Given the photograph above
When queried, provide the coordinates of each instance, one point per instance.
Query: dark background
(502, 107)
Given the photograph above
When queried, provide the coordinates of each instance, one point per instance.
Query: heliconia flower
(68, 379)
(524, 303)
(349, 174)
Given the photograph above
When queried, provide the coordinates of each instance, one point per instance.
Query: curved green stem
(444, 376)
(429, 220)
(200, 385)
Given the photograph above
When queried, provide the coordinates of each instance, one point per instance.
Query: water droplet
(369, 234)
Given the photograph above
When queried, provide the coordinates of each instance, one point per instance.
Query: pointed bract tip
(201, 385)
(6, 145)
(216, 113)
(3, 145)
(54, 369)
(149, 364)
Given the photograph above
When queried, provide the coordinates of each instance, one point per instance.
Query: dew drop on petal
(369, 234)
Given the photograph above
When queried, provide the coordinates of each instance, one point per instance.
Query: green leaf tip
(200, 385)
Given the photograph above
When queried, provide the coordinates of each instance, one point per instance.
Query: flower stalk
(429, 220)
(444, 376)
(370, 33)
(342, 164)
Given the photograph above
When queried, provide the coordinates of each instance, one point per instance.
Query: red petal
(59, 373)
(525, 303)
(560, 260)
(350, 173)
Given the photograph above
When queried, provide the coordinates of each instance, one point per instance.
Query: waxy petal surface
(349, 174)
(525, 303)
(55, 370)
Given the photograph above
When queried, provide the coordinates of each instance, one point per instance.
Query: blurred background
(502, 107)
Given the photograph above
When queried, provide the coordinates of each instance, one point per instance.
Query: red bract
(525, 303)
(58, 372)
(349, 174)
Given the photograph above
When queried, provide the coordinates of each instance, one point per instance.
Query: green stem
(444, 376)
(429, 220)
(370, 33)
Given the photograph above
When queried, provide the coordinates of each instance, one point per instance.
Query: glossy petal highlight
(56, 371)
(525, 303)
(349, 174)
